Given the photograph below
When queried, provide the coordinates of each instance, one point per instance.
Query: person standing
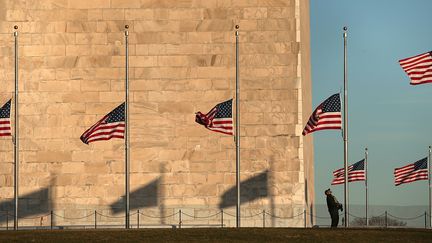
(333, 207)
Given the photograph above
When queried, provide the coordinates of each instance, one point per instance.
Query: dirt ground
(220, 235)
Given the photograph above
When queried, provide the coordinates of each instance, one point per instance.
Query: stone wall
(182, 60)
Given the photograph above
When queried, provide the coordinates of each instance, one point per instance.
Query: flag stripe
(411, 172)
(418, 68)
(110, 126)
(356, 172)
(5, 123)
(218, 119)
(326, 116)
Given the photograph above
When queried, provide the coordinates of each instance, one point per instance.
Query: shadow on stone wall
(250, 189)
(145, 196)
(32, 204)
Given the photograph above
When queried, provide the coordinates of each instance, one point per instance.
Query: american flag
(5, 128)
(110, 126)
(412, 172)
(356, 172)
(326, 116)
(418, 68)
(218, 119)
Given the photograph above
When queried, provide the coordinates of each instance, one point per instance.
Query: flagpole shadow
(145, 196)
(31, 204)
(250, 189)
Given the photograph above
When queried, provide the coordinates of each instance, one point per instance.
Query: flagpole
(127, 149)
(237, 136)
(430, 188)
(16, 134)
(345, 128)
(366, 184)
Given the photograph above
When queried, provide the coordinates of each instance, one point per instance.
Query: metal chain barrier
(318, 217)
(355, 216)
(63, 217)
(401, 218)
(159, 217)
(250, 216)
(37, 217)
(232, 215)
(263, 213)
(280, 217)
(112, 217)
(202, 217)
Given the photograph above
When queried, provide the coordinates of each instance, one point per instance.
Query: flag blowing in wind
(356, 172)
(418, 68)
(218, 119)
(326, 116)
(5, 127)
(110, 126)
(412, 172)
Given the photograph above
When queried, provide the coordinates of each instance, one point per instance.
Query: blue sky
(386, 113)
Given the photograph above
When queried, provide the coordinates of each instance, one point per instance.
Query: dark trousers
(334, 218)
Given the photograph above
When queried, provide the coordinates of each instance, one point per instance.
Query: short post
(385, 219)
(95, 219)
(180, 218)
(138, 219)
(7, 220)
(263, 212)
(222, 219)
(51, 219)
(305, 218)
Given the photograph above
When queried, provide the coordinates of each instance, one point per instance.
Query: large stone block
(182, 60)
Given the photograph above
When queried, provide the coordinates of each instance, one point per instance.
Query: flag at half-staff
(110, 126)
(356, 172)
(5, 125)
(218, 119)
(412, 172)
(326, 116)
(418, 68)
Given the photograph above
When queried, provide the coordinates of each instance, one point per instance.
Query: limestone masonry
(182, 60)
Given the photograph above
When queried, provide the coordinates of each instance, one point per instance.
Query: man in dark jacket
(333, 207)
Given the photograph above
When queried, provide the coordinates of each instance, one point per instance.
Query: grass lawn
(220, 235)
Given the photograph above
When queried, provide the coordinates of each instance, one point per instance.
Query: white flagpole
(127, 149)
(366, 184)
(345, 128)
(16, 134)
(237, 136)
(430, 188)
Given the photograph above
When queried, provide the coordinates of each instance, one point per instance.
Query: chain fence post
(305, 218)
(222, 219)
(385, 219)
(138, 219)
(180, 218)
(95, 219)
(51, 219)
(425, 217)
(7, 220)
(263, 212)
